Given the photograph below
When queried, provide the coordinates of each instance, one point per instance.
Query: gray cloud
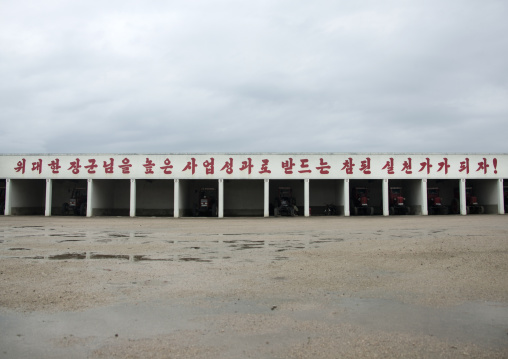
(227, 76)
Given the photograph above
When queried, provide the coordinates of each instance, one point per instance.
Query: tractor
(397, 202)
(207, 202)
(472, 205)
(360, 202)
(77, 203)
(435, 202)
(285, 203)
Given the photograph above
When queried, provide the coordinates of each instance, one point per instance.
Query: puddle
(108, 256)
(19, 249)
(66, 256)
(483, 323)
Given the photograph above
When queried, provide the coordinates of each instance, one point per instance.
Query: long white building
(250, 184)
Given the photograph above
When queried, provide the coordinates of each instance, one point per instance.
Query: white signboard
(254, 166)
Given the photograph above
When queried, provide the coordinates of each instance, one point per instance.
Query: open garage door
(243, 198)
(405, 197)
(69, 197)
(155, 198)
(111, 198)
(28, 197)
(366, 197)
(326, 197)
(199, 198)
(293, 190)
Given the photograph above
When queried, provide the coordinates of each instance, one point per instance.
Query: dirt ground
(318, 287)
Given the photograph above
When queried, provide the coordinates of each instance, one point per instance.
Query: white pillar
(462, 196)
(89, 196)
(133, 198)
(386, 201)
(8, 189)
(221, 198)
(306, 211)
(347, 210)
(49, 191)
(266, 207)
(500, 196)
(425, 207)
(176, 201)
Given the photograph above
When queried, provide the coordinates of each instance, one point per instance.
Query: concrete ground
(318, 287)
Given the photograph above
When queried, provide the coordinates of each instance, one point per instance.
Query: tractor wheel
(481, 210)
(371, 211)
(408, 210)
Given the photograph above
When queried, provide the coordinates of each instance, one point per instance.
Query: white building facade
(249, 184)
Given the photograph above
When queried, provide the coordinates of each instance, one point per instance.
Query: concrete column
(221, 198)
(347, 210)
(8, 189)
(425, 208)
(462, 196)
(266, 207)
(500, 196)
(386, 201)
(176, 202)
(306, 211)
(49, 195)
(89, 196)
(133, 198)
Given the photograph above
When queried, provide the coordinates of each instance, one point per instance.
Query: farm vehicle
(398, 202)
(360, 202)
(77, 202)
(435, 202)
(472, 205)
(285, 203)
(207, 203)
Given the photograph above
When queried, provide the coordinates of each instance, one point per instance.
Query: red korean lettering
(191, 165)
(228, 166)
(464, 166)
(167, 167)
(108, 167)
(425, 164)
(75, 166)
(92, 166)
(209, 166)
(444, 165)
(247, 165)
(125, 166)
(407, 167)
(37, 166)
(482, 166)
(288, 166)
(21, 166)
(264, 166)
(323, 167)
(149, 164)
(55, 166)
(304, 165)
(365, 166)
(348, 166)
(389, 166)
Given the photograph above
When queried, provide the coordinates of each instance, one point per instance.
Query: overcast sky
(253, 76)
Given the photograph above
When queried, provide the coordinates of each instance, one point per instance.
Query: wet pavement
(260, 306)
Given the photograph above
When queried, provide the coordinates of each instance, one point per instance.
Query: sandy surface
(319, 287)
